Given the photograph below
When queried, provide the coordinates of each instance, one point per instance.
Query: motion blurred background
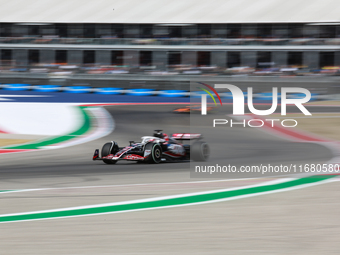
(165, 44)
(153, 48)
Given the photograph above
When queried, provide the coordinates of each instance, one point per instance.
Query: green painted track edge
(59, 139)
(185, 200)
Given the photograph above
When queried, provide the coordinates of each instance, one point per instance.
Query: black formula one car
(156, 149)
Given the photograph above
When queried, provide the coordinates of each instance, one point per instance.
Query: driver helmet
(159, 134)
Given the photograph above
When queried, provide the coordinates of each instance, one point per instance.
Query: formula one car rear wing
(186, 136)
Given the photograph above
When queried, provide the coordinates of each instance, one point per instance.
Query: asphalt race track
(200, 229)
(239, 145)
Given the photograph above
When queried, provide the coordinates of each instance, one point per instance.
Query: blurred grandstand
(214, 38)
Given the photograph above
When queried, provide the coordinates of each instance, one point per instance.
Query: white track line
(136, 184)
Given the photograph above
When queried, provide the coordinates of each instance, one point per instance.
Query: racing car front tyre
(109, 148)
(200, 151)
(155, 153)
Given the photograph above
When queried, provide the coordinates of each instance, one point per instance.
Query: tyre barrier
(86, 89)
(138, 92)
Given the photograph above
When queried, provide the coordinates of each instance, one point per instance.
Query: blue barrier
(108, 91)
(301, 95)
(173, 93)
(140, 92)
(229, 95)
(46, 88)
(77, 89)
(269, 96)
(16, 87)
(266, 96)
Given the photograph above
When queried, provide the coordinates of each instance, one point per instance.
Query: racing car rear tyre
(109, 148)
(200, 151)
(155, 154)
